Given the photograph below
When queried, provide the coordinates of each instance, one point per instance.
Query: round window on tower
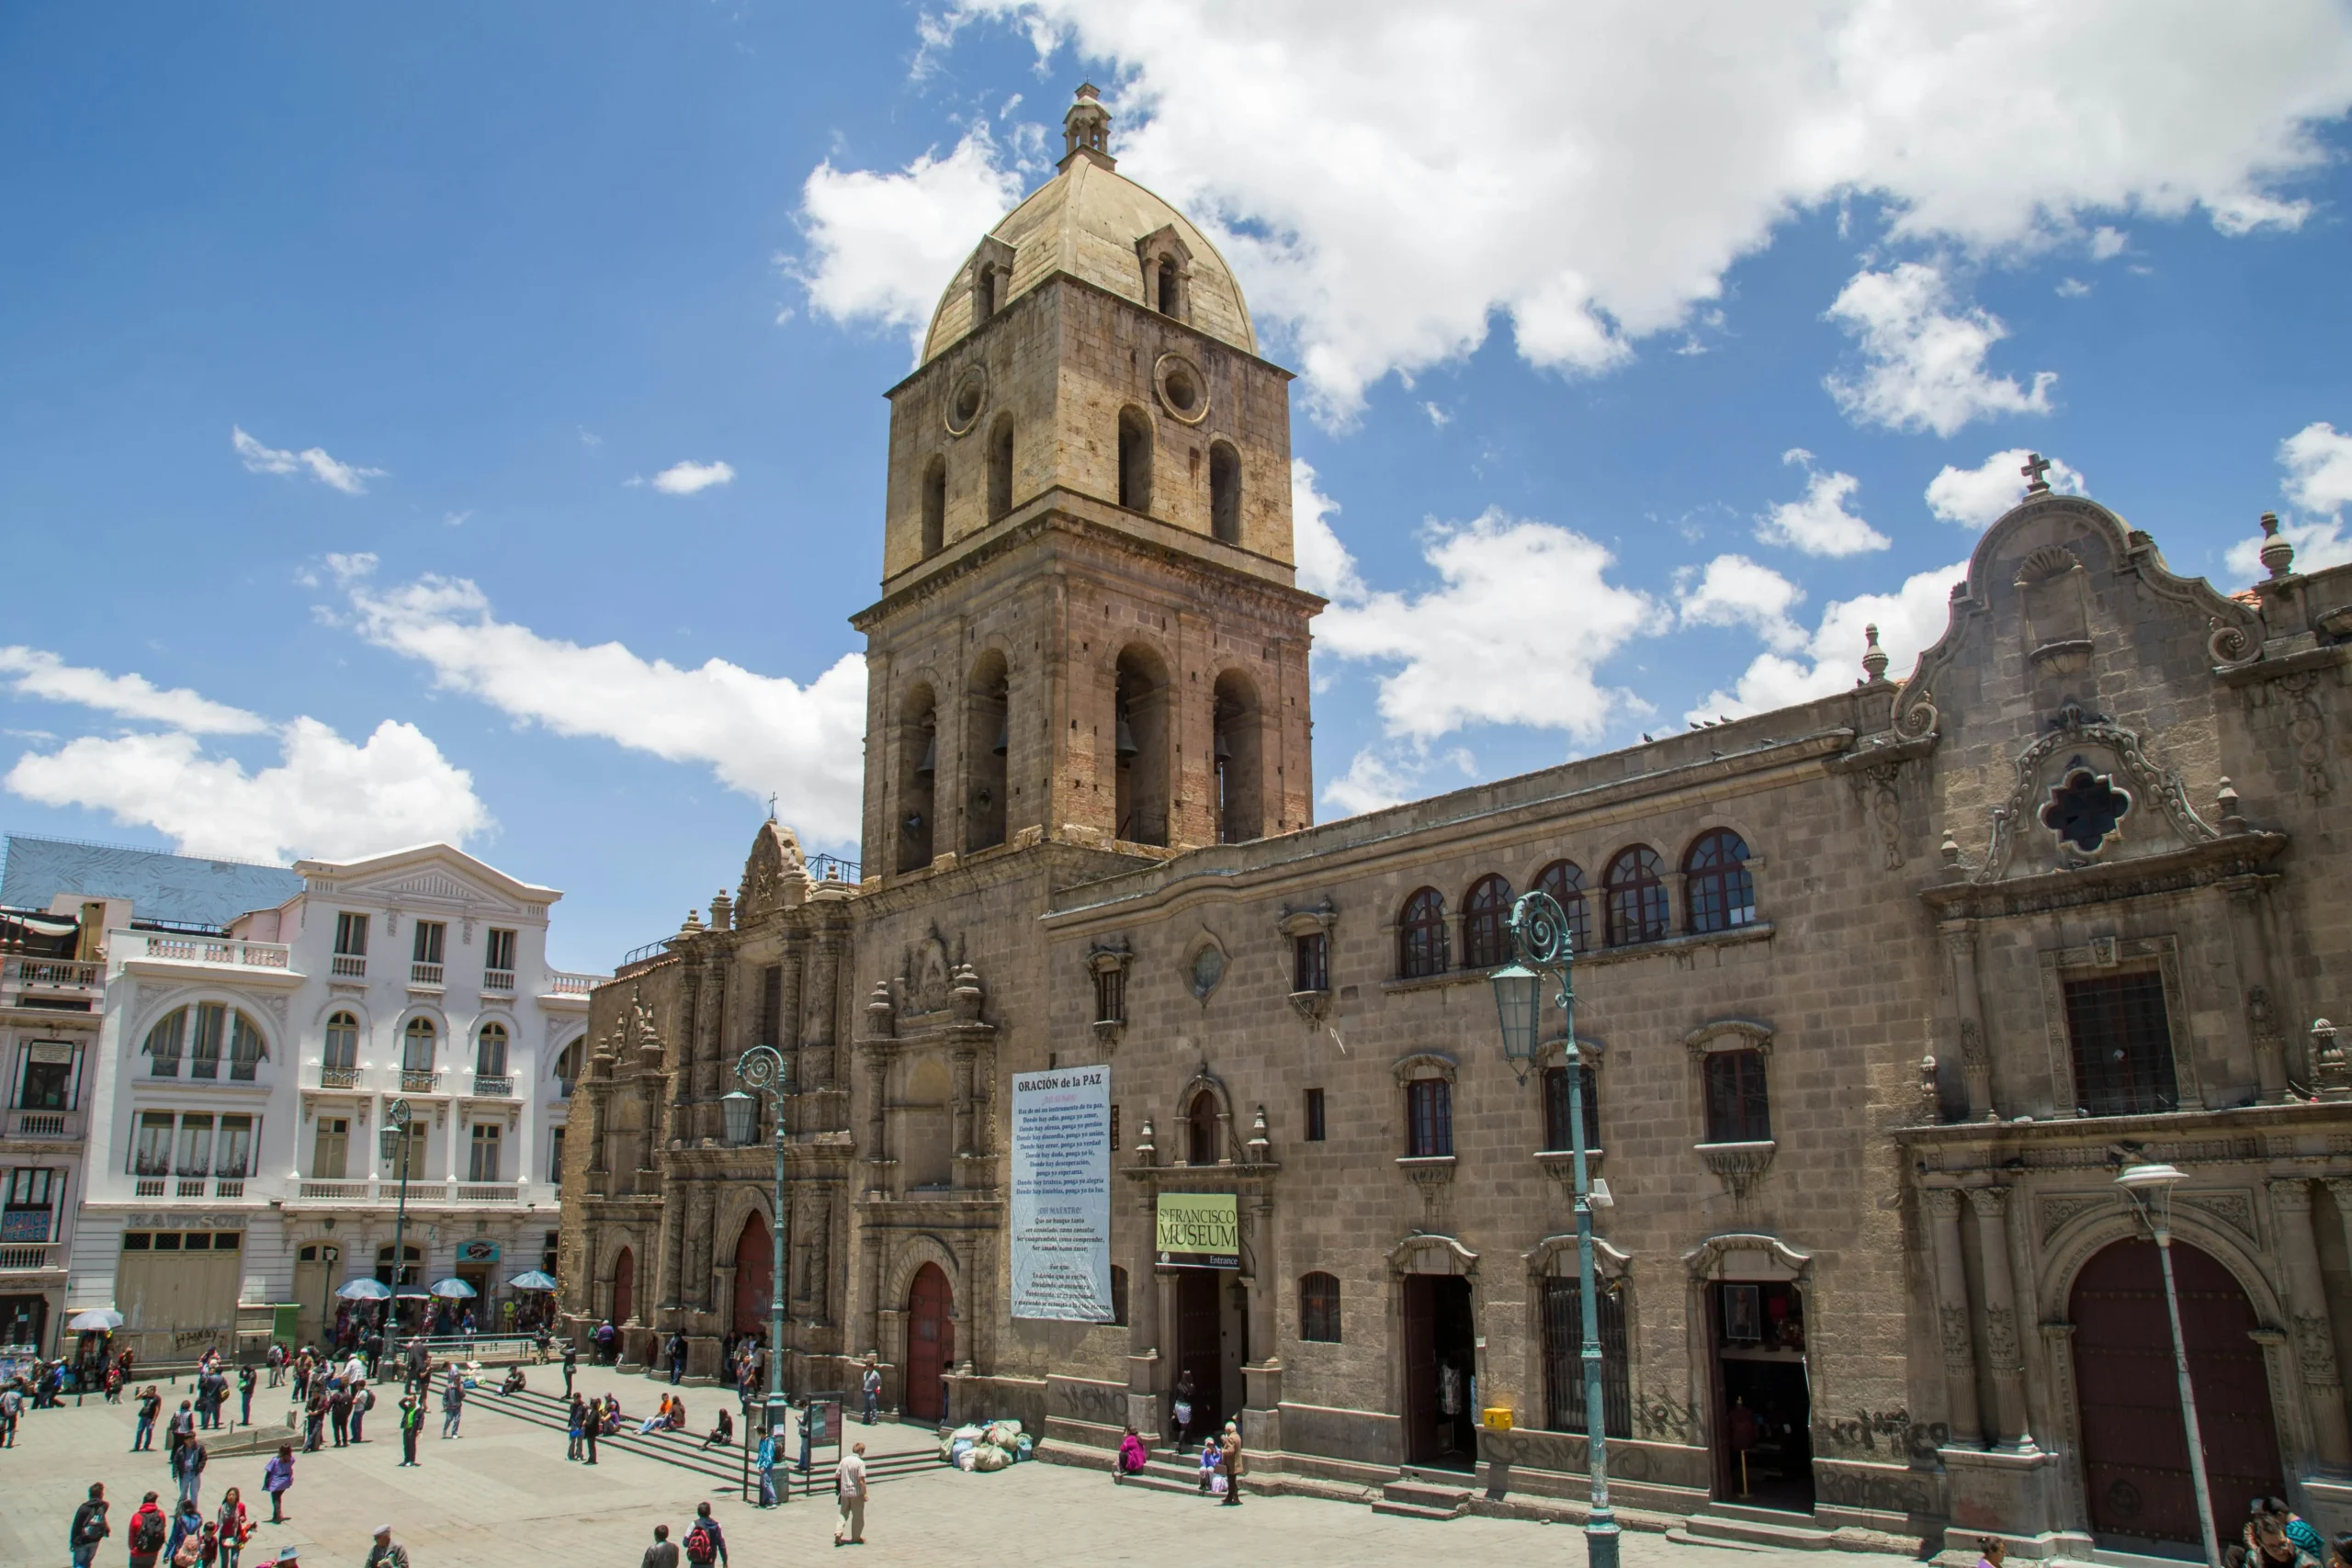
(1183, 390)
(965, 403)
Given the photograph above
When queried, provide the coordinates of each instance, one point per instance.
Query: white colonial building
(236, 1098)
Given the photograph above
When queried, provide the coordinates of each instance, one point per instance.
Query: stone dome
(1095, 224)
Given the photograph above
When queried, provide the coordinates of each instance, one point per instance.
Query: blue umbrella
(453, 1288)
(363, 1290)
(534, 1280)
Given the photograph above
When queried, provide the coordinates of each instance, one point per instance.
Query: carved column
(1976, 1053)
(1952, 1319)
(698, 1250)
(821, 1004)
(877, 1120)
(700, 1085)
(1263, 1373)
(2254, 980)
(2003, 1352)
(963, 1113)
(2314, 1336)
(673, 1243)
(787, 1003)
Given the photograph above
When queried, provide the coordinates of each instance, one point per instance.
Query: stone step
(1416, 1511)
(1425, 1493)
(1681, 1537)
(1721, 1522)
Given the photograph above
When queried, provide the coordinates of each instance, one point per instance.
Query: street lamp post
(1539, 935)
(762, 1068)
(2150, 1189)
(397, 1141)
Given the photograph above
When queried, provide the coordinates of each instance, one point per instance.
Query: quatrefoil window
(2085, 809)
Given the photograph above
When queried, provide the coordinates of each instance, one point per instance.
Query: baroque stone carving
(1959, 1347)
(2307, 728)
(2001, 1340)
(2074, 727)
(2057, 1212)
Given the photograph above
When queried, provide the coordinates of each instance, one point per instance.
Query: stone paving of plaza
(503, 1495)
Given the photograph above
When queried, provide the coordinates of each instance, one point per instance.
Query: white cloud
(1923, 362)
(757, 733)
(2107, 243)
(38, 673)
(1818, 523)
(881, 246)
(685, 479)
(1324, 564)
(1392, 178)
(1975, 498)
(1523, 615)
(2072, 289)
(2318, 460)
(1909, 620)
(314, 461)
(1389, 775)
(1732, 591)
(325, 797)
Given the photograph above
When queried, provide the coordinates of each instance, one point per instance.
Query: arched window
(988, 738)
(1635, 887)
(1241, 808)
(199, 1033)
(1738, 1109)
(1485, 924)
(1420, 936)
(567, 1067)
(1001, 467)
(1429, 1117)
(919, 757)
(1201, 1125)
(418, 1042)
(1135, 460)
(1224, 492)
(1319, 1308)
(1140, 747)
(1565, 883)
(342, 1043)
(489, 1051)
(1717, 890)
(165, 1042)
(935, 507)
(1167, 291)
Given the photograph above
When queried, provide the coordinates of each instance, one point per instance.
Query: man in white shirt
(849, 1481)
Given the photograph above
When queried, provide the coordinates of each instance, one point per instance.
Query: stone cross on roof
(2036, 465)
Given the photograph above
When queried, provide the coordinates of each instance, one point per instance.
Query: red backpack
(699, 1547)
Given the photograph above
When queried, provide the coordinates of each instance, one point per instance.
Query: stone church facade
(1876, 994)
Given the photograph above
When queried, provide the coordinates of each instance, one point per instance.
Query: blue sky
(407, 409)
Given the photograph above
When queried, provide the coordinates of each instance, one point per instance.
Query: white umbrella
(96, 1320)
(364, 1289)
(452, 1289)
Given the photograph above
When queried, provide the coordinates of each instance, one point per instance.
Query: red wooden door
(624, 1286)
(2135, 1448)
(930, 1343)
(754, 1261)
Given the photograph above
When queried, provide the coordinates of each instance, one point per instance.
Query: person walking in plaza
(148, 1529)
(277, 1479)
(411, 1423)
(766, 1464)
(386, 1553)
(187, 1525)
(150, 1405)
(1228, 1464)
(12, 1406)
(664, 1552)
(246, 1381)
(1181, 1409)
(232, 1526)
(90, 1527)
(676, 1353)
(314, 1415)
(706, 1542)
(339, 1413)
(870, 1383)
(363, 1399)
(571, 1365)
(848, 1487)
(183, 1430)
(604, 1341)
(187, 1464)
(453, 1402)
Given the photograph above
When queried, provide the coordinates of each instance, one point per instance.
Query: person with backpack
(363, 1399)
(90, 1527)
(277, 1479)
(12, 1405)
(706, 1542)
(187, 1535)
(339, 1413)
(576, 1425)
(148, 1529)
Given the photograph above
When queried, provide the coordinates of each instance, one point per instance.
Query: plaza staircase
(1415, 1494)
(1736, 1524)
(683, 1450)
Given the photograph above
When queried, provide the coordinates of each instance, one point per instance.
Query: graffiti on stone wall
(1882, 1491)
(1900, 1434)
(1103, 1404)
(1663, 1418)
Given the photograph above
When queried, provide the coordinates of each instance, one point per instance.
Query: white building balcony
(43, 1125)
(564, 983)
(187, 1188)
(494, 1086)
(313, 1191)
(338, 1077)
(497, 982)
(25, 1258)
(171, 955)
(424, 977)
(349, 966)
(28, 981)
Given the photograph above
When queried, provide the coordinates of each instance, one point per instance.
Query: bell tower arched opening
(1135, 460)
(1224, 492)
(988, 742)
(919, 751)
(935, 507)
(1238, 751)
(1139, 746)
(1001, 467)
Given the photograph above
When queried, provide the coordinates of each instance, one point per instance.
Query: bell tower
(1088, 630)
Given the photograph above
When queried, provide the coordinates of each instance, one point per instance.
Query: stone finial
(1262, 1147)
(2225, 803)
(966, 996)
(1949, 850)
(1145, 1153)
(1874, 659)
(2331, 1073)
(722, 911)
(2276, 554)
(2036, 465)
(1931, 1103)
(880, 1012)
(1086, 130)
(692, 924)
